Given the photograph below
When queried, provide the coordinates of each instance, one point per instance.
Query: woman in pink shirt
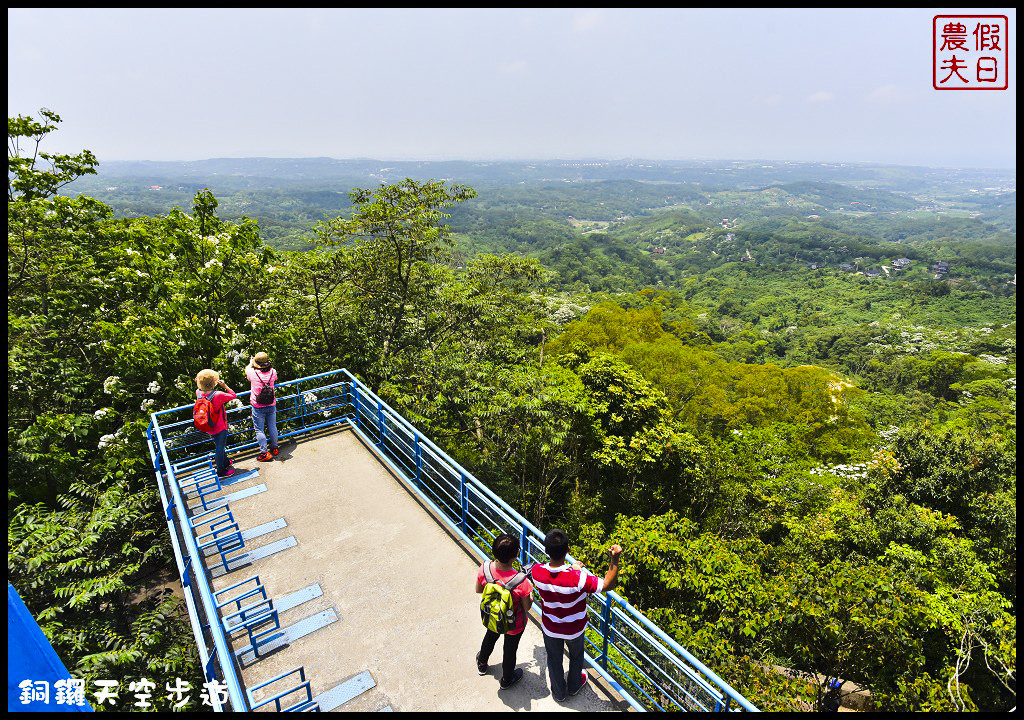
(264, 404)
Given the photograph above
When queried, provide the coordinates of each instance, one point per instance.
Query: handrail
(435, 477)
(727, 690)
(190, 605)
(221, 646)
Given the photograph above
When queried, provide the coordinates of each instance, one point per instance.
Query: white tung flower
(105, 440)
(110, 383)
(993, 359)
(153, 387)
(100, 414)
(147, 404)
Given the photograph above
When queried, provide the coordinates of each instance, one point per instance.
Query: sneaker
(481, 667)
(582, 684)
(265, 457)
(274, 451)
(516, 677)
(227, 473)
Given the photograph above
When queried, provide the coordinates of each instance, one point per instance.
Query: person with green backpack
(504, 604)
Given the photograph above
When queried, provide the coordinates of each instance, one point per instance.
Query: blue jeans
(553, 647)
(265, 416)
(220, 451)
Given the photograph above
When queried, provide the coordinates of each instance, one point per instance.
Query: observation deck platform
(401, 586)
(340, 575)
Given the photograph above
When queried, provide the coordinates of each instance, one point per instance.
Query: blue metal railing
(646, 666)
(177, 449)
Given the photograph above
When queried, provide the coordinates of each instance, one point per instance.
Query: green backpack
(498, 604)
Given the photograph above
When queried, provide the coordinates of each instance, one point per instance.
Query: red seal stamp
(970, 52)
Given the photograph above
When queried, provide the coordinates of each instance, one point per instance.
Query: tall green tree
(85, 530)
(394, 243)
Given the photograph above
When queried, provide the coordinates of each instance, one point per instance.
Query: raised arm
(612, 576)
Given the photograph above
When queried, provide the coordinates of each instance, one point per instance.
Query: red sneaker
(274, 451)
(582, 685)
(265, 457)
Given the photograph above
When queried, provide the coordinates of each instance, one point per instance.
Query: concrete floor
(401, 585)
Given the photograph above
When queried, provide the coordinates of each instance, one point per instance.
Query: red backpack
(203, 413)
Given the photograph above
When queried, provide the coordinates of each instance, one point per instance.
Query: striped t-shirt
(563, 593)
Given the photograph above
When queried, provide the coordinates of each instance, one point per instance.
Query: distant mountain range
(733, 174)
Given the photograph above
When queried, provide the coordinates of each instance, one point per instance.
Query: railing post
(606, 626)
(185, 576)
(464, 495)
(355, 402)
(302, 405)
(380, 424)
(524, 554)
(419, 459)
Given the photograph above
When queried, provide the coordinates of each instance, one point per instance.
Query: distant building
(901, 263)
(941, 267)
(846, 267)
(657, 251)
(816, 265)
(872, 273)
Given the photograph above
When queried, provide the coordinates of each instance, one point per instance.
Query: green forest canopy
(808, 469)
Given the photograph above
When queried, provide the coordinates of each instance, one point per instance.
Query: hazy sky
(818, 85)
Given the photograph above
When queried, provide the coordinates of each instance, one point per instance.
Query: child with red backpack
(210, 417)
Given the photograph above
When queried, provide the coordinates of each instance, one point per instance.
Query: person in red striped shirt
(564, 590)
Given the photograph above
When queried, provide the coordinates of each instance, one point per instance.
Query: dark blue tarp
(30, 657)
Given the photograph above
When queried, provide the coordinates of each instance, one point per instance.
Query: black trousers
(508, 659)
